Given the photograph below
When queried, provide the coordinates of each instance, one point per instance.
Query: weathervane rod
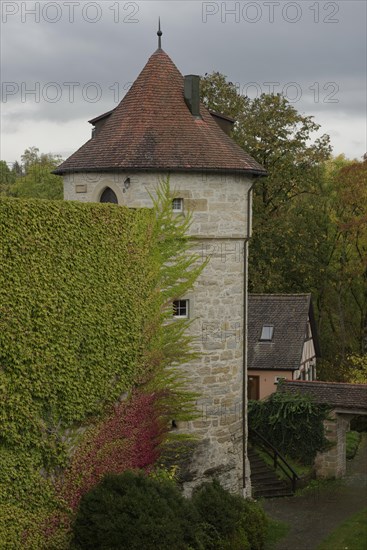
(159, 34)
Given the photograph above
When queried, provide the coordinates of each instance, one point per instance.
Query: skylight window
(267, 333)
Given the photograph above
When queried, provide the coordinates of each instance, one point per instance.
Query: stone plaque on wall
(81, 188)
(197, 205)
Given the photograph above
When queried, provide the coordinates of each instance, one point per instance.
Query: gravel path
(313, 516)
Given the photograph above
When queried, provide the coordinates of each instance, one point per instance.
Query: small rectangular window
(181, 308)
(177, 205)
(267, 333)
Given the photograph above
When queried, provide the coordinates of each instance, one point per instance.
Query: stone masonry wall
(219, 204)
(332, 463)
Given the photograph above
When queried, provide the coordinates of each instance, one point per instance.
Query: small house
(282, 341)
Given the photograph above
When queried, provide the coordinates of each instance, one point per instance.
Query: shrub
(359, 423)
(228, 521)
(220, 518)
(292, 423)
(352, 442)
(255, 524)
(133, 511)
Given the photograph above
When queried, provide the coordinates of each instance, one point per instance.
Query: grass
(277, 530)
(350, 535)
(353, 439)
(316, 485)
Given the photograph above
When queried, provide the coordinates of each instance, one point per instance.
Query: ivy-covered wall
(86, 352)
(76, 295)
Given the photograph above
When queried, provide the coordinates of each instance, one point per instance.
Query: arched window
(109, 196)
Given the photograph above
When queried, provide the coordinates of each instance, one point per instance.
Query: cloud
(316, 49)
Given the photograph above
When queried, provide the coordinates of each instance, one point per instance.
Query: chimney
(192, 93)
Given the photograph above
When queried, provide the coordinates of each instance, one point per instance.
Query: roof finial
(159, 34)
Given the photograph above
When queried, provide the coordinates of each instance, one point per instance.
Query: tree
(222, 96)
(271, 130)
(7, 178)
(17, 169)
(349, 215)
(30, 157)
(309, 223)
(38, 181)
(352, 369)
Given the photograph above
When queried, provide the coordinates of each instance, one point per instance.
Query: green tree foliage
(33, 178)
(222, 96)
(350, 213)
(356, 366)
(337, 242)
(271, 130)
(38, 183)
(7, 178)
(309, 214)
(352, 369)
(292, 423)
(17, 169)
(31, 157)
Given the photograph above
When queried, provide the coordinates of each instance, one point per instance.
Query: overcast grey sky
(64, 62)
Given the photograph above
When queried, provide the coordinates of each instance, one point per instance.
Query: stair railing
(278, 459)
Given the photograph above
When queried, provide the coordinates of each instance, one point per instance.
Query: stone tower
(160, 128)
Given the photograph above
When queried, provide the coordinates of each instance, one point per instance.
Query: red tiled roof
(153, 129)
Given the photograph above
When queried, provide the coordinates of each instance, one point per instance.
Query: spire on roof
(159, 34)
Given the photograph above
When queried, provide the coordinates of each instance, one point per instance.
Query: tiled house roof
(288, 314)
(345, 396)
(153, 129)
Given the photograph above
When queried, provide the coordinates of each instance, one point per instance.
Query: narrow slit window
(177, 205)
(181, 308)
(267, 332)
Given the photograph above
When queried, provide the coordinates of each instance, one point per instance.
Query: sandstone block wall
(219, 206)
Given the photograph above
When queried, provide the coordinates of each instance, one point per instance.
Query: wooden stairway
(265, 482)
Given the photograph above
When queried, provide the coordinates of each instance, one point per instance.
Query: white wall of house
(307, 370)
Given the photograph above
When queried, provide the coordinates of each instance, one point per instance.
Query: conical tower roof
(152, 128)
